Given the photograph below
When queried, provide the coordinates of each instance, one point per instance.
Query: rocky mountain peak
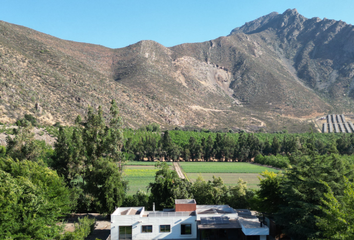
(274, 20)
(292, 12)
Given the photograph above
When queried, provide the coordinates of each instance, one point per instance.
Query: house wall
(185, 207)
(137, 222)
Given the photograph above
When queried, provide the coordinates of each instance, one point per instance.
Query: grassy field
(139, 175)
(229, 179)
(142, 163)
(223, 167)
(230, 172)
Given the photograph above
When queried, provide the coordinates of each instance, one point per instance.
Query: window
(165, 228)
(146, 229)
(186, 229)
(125, 232)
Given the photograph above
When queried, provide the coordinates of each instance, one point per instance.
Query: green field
(223, 167)
(230, 172)
(142, 163)
(229, 179)
(139, 175)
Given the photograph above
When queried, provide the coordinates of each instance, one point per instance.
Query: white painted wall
(137, 222)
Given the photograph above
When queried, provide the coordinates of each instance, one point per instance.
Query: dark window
(125, 232)
(165, 228)
(186, 229)
(146, 229)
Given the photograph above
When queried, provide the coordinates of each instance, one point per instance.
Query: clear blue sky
(118, 23)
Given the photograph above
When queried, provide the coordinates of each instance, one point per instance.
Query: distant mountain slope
(321, 51)
(276, 71)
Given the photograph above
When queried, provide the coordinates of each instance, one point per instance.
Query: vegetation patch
(139, 177)
(223, 167)
(230, 179)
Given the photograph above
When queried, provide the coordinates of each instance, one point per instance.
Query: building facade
(187, 221)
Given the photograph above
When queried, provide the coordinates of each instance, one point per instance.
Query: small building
(187, 221)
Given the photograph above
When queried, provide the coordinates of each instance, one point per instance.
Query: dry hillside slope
(277, 71)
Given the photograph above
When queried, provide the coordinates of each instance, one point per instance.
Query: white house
(186, 221)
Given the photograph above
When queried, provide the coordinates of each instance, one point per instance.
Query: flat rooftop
(128, 211)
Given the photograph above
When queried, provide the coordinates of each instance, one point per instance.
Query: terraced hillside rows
(336, 124)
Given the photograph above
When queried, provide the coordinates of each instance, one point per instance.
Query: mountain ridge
(266, 74)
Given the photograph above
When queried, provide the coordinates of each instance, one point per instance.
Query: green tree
(202, 192)
(150, 147)
(167, 187)
(140, 198)
(338, 219)
(23, 145)
(276, 146)
(302, 190)
(269, 196)
(195, 149)
(207, 148)
(69, 154)
(114, 141)
(87, 156)
(239, 196)
(167, 144)
(105, 185)
(32, 199)
(218, 147)
(209, 192)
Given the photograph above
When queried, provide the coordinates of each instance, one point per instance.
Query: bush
(277, 161)
(2, 151)
(24, 122)
(82, 229)
(57, 124)
(153, 127)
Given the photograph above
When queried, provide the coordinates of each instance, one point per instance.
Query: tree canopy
(32, 198)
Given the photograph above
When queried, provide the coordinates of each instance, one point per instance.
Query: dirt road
(178, 170)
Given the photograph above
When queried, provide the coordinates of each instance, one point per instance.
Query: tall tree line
(174, 145)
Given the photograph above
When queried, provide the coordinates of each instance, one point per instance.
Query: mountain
(277, 72)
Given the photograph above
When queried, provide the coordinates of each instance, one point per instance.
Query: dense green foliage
(303, 188)
(278, 161)
(295, 198)
(87, 158)
(168, 187)
(32, 198)
(311, 198)
(86, 176)
(210, 146)
(338, 219)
